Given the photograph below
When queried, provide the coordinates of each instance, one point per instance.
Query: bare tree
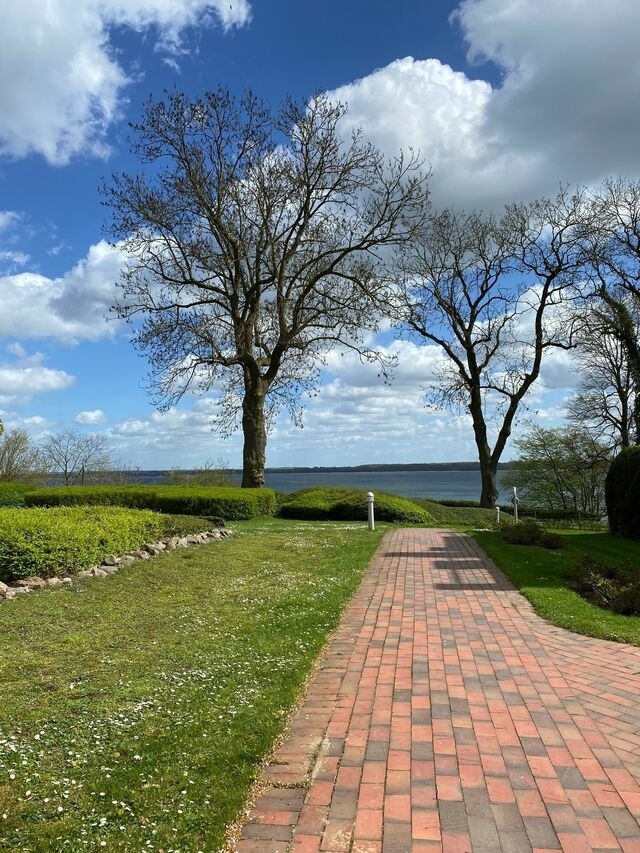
(488, 290)
(605, 398)
(20, 459)
(252, 240)
(75, 456)
(611, 241)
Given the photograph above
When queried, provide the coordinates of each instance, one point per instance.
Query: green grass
(541, 576)
(136, 709)
(456, 516)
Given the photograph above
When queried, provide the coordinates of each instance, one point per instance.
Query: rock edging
(112, 563)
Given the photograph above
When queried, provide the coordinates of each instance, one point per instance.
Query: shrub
(614, 586)
(321, 504)
(622, 494)
(54, 542)
(529, 532)
(229, 503)
(12, 494)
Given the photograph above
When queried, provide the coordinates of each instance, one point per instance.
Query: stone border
(111, 564)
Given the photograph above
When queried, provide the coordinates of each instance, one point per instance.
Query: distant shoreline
(406, 466)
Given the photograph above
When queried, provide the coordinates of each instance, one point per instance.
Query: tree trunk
(489, 493)
(255, 434)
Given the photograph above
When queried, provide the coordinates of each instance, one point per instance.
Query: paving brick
(447, 716)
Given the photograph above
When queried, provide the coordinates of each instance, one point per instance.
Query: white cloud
(94, 416)
(22, 382)
(8, 218)
(66, 81)
(562, 112)
(69, 308)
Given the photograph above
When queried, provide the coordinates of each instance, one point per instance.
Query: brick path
(447, 716)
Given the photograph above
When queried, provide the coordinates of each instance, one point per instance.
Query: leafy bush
(622, 494)
(229, 503)
(54, 542)
(614, 586)
(321, 504)
(12, 494)
(529, 532)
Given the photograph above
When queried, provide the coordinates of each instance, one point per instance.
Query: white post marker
(370, 518)
(515, 505)
(498, 515)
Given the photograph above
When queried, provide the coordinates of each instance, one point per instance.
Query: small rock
(193, 539)
(85, 574)
(111, 560)
(20, 590)
(109, 570)
(8, 595)
(182, 542)
(54, 582)
(127, 560)
(67, 581)
(32, 583)
(3, 587)
(139, 555)
(170, 544)
(161, 546)
(99, 573)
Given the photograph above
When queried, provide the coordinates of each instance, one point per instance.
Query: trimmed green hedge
(321, 504)
(12, 494)
(55, 542)
(228, 503)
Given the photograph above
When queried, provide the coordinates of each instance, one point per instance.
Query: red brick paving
(447, 716)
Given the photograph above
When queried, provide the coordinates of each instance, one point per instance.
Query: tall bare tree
(252, 241)
(604, 401)
(75, 456)
(488, 290)
(611, 242)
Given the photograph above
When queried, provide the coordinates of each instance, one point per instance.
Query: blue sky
(504, 100)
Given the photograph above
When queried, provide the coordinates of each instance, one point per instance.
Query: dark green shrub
(622, 494)
(529, 532)
(227, 502)
(613, 586)
(336, 504)
(12, 494)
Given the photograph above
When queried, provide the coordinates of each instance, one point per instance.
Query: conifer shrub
(622, 494)
(336, 504)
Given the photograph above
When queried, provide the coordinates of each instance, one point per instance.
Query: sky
(505, 100)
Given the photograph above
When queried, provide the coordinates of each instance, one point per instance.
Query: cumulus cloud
(27, 375)
(69, 308)
(562, 112)
(94, 416)
(66, 81)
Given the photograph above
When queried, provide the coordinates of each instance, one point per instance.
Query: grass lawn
(541, 576)
(135, 709)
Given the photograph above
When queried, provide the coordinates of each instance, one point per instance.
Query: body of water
(443, 485)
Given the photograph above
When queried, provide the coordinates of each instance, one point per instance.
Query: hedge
(12, 494)
(318, 504)
(55, 542)
(221, 502)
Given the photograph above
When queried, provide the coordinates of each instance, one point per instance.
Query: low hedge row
(337, 504)
(55, 542)
(12, 494)
(228, 503)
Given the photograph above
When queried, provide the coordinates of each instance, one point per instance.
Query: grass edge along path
(541, 576)
(137, 709)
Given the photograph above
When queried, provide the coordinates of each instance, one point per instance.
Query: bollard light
(498, 515)
(370, 518)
